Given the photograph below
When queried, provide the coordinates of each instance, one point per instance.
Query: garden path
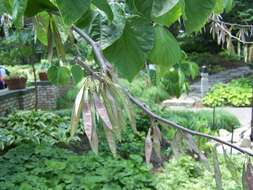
(194, 96)
(192, 100)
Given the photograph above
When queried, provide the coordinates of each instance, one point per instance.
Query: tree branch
(144, 108)
(221, 25)
(105, 66)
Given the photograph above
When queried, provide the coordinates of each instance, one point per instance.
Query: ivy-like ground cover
(41, 167)
(236, 93)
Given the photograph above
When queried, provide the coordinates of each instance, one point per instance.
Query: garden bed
(237, 93)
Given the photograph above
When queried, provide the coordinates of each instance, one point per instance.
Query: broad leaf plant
(124, 36)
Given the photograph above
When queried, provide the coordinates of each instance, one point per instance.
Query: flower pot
(16, 83)
(43, 76)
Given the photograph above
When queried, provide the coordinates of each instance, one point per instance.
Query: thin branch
(232, 36)
(221, 24)
(105, 66)
(150, 113)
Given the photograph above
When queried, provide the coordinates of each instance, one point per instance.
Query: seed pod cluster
(104, 101)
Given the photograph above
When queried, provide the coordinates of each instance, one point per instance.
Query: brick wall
(47, 95)
(16, 100)
(25, 99)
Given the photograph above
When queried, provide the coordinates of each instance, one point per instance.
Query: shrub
(186, 173)
(236, 93)
(143, 88)
(42, 167)
(200, 120)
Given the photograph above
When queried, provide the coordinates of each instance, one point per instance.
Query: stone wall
(47, 95)
(25, 99)
(16, 100)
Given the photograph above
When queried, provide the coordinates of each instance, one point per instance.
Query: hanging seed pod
(102, 112)
(250, 54)
(125, 105)
(157, 138)
(148, 146)
(245, 53)
(110, 140)
(94, 137)
(87, 116)
(78, 105)
(247, 176)
(238, 48)
(114, 114)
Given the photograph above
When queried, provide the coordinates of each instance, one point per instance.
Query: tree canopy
(130, 32)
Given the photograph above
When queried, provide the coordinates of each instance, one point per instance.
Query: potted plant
(16, 80)
(43, 70)
(43, 75)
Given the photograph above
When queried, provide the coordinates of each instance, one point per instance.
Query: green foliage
(18, 48)
(143, 88)
(59, 75)
(242, 12)
(16, 75)
(216, 62)
(123, 29)
(196, 120)
(186, 173)
(106, 31)
(71, 11)
(138, 40)
(171, 16)
(41, 167)
(175, 81)
(31, 126)
(197, 13)
(236, 93)
(165, 44)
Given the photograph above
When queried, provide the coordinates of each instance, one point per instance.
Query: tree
(123, 36)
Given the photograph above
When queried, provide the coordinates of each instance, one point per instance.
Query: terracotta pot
(43, 76)
(16, 83)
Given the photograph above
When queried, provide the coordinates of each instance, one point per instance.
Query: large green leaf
(170, 17)
(18, 10)
(104, 31)
(140, 7)
(86, 19)
(228, 5)
(197, 13)
(219, 6)
(161, 7)
(36, 6)
(72, 10)
(104, 6)
(128, 54)
(5, 6)
(166, 51)
(58, 75)
(77, 73)
(41, 27)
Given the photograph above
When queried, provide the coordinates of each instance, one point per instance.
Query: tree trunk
(36, 87)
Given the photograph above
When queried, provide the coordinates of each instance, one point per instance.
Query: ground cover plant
(194, 175)
(237, 92)
(123, 37)
(33, 126)
(43, 167)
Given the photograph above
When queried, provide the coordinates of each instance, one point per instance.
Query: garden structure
(103, 109)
